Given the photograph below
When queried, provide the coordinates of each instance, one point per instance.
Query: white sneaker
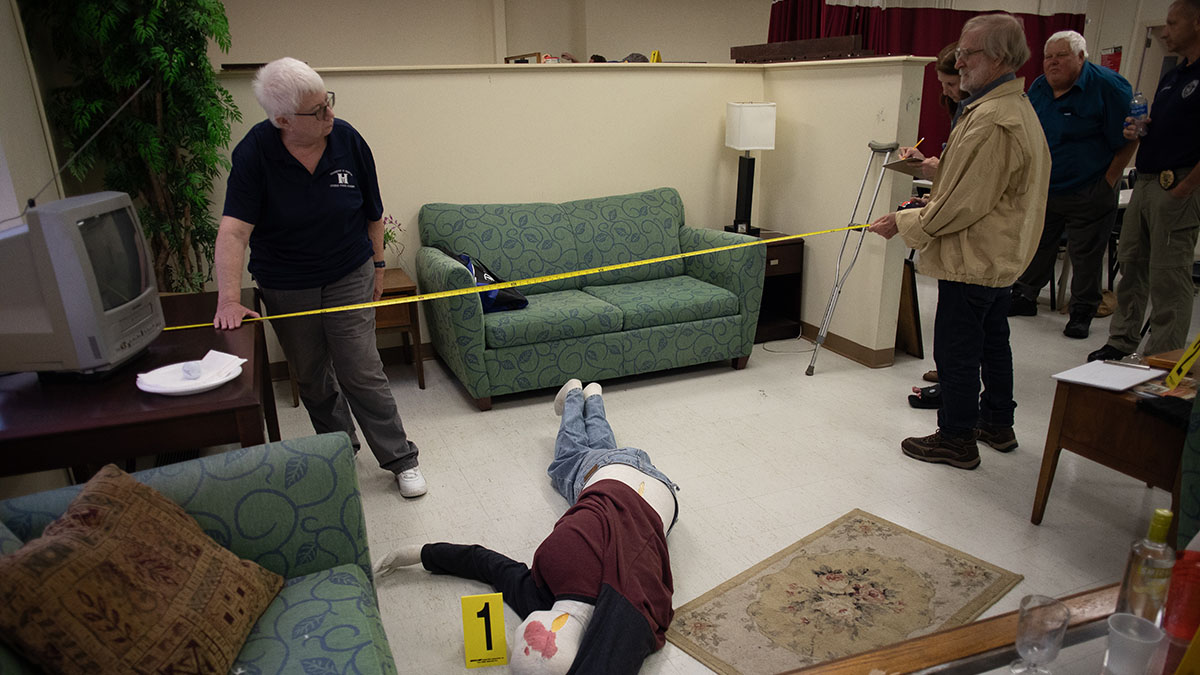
(561, 399)
(591, 390)
(411, 482)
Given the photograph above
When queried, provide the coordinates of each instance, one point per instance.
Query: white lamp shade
(750, 126)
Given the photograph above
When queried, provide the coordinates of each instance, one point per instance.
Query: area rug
(858, 583)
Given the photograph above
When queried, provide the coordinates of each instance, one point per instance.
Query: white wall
(682, 30)
(548, 26)
(828, 113)
(387, 33)
(519, 134)
(24, 147)
(360, 32)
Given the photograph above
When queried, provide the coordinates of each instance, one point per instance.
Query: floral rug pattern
(858, 583)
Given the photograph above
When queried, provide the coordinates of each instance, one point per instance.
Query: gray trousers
(1157, 247)
(337, 364)
(1087, 217)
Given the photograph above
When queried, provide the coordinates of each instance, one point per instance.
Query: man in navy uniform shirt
(1158, 235)
(1082, 109)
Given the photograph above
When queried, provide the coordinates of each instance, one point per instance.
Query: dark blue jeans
(970, 342)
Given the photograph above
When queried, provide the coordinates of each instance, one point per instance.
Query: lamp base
(743, 228)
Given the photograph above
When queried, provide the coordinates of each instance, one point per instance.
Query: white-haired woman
(304, 197)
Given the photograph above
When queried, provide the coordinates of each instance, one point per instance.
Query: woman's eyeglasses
(321, 113)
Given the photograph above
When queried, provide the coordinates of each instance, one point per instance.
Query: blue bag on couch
(494, 300)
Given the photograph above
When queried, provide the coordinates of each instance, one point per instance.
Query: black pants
(970, 342)
(507, 576)
(1087, 216)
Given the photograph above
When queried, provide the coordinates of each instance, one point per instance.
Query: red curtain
(920, 32)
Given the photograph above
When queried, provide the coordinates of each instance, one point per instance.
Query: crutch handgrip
(876, 146)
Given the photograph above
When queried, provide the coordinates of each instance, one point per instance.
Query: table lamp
(748, 126)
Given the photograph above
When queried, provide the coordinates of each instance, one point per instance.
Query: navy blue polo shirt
(1173, 138)
(1083, 126)
(309, 229)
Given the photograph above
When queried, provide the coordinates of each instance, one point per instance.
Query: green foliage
(165, 149)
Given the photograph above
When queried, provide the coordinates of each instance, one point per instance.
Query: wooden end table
(1108, 428)
(406, 318)
(86, 424)
(779, 318)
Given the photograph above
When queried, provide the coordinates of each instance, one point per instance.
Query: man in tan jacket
(975, 236)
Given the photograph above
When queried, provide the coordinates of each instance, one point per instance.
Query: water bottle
(1138, 110)
(1148, 572)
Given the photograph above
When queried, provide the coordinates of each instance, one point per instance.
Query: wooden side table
(1107, 427)
(397, 284)
(779, 318)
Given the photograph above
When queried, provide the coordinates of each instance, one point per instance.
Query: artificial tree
(166, 148)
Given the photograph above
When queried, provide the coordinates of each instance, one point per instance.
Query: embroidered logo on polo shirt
(342, 178)
(1189, 88)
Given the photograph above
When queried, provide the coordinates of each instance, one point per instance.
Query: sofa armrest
(293, 507)
(739, 271)
(455, 324)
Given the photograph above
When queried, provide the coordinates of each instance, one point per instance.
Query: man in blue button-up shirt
(1082, 108)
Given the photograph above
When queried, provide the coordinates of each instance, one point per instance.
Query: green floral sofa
(639, 319)
(292, 507)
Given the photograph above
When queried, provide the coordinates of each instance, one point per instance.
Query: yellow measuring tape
(522, 282)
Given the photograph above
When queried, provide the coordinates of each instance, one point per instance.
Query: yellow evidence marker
(483, 630)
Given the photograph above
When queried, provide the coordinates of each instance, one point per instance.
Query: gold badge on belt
(1166, 179)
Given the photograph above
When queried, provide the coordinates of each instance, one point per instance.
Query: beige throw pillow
(126, 581)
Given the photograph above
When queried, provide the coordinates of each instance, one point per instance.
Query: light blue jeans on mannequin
(586, 443)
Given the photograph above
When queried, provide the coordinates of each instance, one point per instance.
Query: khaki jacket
(984, 217)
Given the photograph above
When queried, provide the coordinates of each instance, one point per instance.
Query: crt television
(77, 288)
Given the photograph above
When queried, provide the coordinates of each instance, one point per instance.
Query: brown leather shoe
(939, 449)
(1003, 439)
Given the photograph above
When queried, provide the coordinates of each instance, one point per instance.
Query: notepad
(1110, 376)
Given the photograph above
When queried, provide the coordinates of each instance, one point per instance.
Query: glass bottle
(1148, 572)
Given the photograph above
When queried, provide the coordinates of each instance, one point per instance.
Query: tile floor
(764, 456)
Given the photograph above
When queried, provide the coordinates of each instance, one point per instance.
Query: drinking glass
(1041, 624)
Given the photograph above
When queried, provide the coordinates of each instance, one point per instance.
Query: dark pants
(338, 367)
(1087, 217)
(970, 341)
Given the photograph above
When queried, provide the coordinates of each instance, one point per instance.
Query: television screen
(77, 289)
(111, 243)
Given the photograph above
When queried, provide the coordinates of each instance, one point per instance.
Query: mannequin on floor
(598, 596)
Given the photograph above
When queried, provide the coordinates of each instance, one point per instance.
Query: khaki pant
(1157, 247)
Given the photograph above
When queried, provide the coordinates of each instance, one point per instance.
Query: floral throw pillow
(126, 581)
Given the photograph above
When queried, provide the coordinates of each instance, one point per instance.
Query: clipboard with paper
(910, 166)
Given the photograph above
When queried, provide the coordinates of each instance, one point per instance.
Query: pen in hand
(914, 147)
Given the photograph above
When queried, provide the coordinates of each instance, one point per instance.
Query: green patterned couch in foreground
(293, 507)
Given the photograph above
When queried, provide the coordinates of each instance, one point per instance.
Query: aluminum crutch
(838, 277)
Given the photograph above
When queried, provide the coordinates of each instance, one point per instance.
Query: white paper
(1110, 376)
(215, 368)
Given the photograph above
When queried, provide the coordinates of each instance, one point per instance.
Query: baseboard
(871, 358)
(279, 369)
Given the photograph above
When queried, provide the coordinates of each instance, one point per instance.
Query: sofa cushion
(551, 316)
(126, 581)
(625, 228)
(660, 302)
(515, 241)
(9, 542)
(325, 622)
